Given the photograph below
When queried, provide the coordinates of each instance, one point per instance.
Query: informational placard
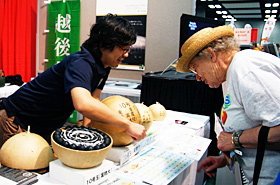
(183, 141)
(136, 12)
(63, 30)
(173, 150)
(243, 35)
(155, 166)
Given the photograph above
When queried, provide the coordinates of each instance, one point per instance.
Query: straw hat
(197, 42)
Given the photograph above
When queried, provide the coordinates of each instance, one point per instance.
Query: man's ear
(212, 53)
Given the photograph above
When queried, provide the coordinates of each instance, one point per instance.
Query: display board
(191, 24)
(136, 12)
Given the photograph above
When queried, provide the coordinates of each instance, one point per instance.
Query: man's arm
(97, 111)
(249, 139)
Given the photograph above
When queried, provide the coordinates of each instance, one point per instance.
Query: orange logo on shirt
(224, 117)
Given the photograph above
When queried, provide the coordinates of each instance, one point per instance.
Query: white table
(187, 177)
(7, 90)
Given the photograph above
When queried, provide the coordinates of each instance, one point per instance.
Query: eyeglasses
(125, 50)
(192, 68)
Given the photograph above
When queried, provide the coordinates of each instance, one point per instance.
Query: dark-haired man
(46, 102)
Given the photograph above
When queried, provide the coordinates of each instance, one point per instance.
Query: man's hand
(211, 163)
(136, 131)
(225, 142)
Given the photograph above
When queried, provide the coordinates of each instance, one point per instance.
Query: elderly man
(252, 97)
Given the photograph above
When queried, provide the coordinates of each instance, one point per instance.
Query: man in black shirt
(46, 102)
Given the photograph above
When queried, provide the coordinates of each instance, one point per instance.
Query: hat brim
(197, 42)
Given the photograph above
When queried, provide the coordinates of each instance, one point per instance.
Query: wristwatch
(235, 138)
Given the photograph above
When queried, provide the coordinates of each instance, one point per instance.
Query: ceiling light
(218, 6)
(224, 16)
(267, 5)
(274, 11)
(218, 12)
(273, 16)
(267, 11)
(231, 20)
(216, 19)
(267, 16)
(275, 4)
(224, 12)
(211, 6)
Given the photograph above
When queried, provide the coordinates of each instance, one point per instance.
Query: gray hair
(224, 44)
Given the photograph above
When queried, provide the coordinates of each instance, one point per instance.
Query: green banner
(64, 30)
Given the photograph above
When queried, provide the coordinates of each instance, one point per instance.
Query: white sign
(243, 35)
(267, 30)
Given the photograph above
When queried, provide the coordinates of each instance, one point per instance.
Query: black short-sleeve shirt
(45, 103)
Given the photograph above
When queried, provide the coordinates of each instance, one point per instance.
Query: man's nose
(126, 54)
